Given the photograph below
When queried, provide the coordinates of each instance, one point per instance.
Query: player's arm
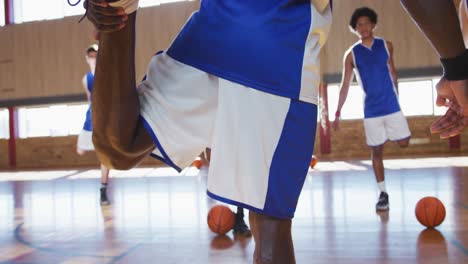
(119, 137)
(84, 84)
(438, 20)
(391, 65)
(344, 86)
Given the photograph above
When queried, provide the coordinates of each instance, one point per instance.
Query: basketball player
(216, 86)
(438, 20)
(85, 143)
(372, 60)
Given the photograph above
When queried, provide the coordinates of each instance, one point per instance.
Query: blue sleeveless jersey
(88, 124)
(373, 73)
(270, 45)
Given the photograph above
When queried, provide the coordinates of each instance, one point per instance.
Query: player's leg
(376, 137)
(104, 180)
(240, 227)
(261, 151)
(273, 240)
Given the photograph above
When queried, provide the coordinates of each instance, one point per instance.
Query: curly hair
(362, 12)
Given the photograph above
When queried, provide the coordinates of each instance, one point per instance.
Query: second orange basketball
(430, 212)
(220, 219)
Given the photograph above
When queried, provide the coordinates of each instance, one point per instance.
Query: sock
(104, 185)
(382, 186)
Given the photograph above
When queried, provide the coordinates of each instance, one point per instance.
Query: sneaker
(382, 204)
(104, 200)
(240, 228)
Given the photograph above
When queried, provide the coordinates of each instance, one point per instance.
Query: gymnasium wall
(45, 59)
(347, 143)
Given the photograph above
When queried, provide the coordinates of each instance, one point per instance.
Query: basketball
(197, 163)
(220, 219)
(313, 162)
(430, 212)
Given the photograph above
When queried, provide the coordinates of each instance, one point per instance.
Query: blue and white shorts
(261, 144)
(379, 130)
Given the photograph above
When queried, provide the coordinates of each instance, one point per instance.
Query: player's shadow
(431, 247)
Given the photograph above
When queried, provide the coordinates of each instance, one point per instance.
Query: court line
(459, 245)
(23, 241)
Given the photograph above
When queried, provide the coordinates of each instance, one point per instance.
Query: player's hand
(336, 124)
(452, 123)
(453, 94)
(105, 17)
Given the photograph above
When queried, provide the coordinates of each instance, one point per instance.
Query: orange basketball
(197, 163)
(313, 162)
(430, 211)
(220, 219)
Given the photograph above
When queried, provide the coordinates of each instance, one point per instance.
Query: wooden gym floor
(157, 216)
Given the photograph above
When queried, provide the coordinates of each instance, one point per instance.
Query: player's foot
(104, 200)
(382, 204)
(240, 228)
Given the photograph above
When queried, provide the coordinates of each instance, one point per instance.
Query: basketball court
(156, 216)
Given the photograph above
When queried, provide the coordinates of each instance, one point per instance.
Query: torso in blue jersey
(88, 124)
(257, 43)
(373, 73)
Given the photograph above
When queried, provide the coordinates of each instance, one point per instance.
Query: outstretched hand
(105, 17)
(454, 95)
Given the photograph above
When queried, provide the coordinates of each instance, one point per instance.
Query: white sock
(382, 186)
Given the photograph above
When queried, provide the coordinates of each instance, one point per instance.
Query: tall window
(145, 3)
(33, 10)
(4, 124)
(354, 105)
(416, 97)
(55, 120)
(2, 13)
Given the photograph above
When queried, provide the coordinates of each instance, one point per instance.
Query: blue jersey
(373, 73)
(88, 124)
(267, 45)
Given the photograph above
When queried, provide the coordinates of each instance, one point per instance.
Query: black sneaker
(240, 228)
(104, 200)
(382, 204)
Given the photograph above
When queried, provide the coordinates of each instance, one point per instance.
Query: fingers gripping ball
(220, 219)
(430, 212)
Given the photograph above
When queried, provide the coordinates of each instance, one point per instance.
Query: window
(353, 107)
(145, 3)
(2, 13)
(55, 120)
(32, 10)
(416, 97)
(4, 124)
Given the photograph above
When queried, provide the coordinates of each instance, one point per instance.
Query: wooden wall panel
(350, 142)
(55, 152)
